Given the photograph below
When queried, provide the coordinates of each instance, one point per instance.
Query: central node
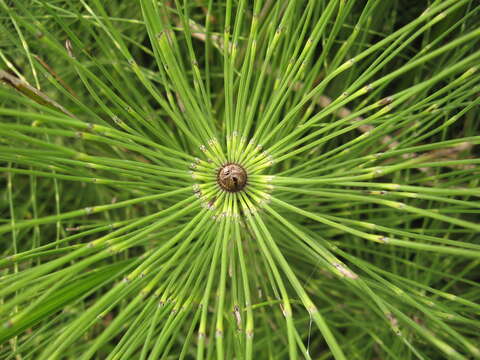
(232, 177)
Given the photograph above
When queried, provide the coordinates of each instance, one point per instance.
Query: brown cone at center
(232, 177)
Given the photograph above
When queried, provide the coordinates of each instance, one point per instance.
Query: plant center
(232, 177)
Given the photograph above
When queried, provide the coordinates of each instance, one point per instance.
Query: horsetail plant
(193, 179)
